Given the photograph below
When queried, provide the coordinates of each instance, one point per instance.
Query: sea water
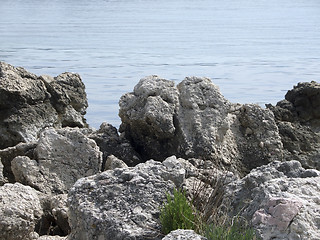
(254, 50)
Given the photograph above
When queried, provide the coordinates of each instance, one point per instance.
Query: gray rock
(20, 210)
(182, 234)
(147, 116)
(30, 103)
(194, 120)
(281, 200)
(110, 143)
(61, 157)
(8, 154)
(2, 181)
(122, 203)
(298, 120)
(46, 237)
(113, 163)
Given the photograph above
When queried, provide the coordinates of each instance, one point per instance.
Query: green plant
(237, 230)
(177, 213)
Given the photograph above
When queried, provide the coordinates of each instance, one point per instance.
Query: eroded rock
(194, 120)
(281, 199)
(122, 203)
(110, 143)
(61, 158)
(29, 103)
(298, 120)
(20, 210)
(182, 234)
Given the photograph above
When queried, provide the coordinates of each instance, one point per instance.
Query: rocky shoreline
(61, 179)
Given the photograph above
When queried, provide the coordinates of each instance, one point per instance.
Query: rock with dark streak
(29, 103)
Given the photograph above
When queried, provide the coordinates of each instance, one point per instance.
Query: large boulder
(61, 157)
(20, 210)
(280, 199)
(29, 103)
(122, 203)
(194, 120)
(298, 120)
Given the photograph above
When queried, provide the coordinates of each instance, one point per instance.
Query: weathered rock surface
(2, 181)
(113, 163)
(54, 220)
(46, 237)
(182, 234)
(110, 143)
(122, 203)
(298, 120)
(8, 154)
(29, 103)
(193, 119)
(281, 199)
(61, 157)
(20, 210)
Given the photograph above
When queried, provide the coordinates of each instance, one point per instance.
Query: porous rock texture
(20, 210)
(123, 203)
(281, 200)
(29, 103)
(298, 120)
(183, 234)
(110, 143)
(62, 156)
(193, 119)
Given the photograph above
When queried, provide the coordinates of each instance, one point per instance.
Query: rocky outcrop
(122, 203)
(110, 143)
(29, 103)
(280, 199)
(183, 235)
(61, 157)
(193, 119)
(298, 120)
(20, 210)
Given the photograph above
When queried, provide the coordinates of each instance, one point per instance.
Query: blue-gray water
(255, 50)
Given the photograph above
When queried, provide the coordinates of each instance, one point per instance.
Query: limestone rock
(194, 120)
(113, 163)
(8, 154)
(281, 199)
(2, 181)
(110, 143)
(122, 203)
(46, 237)
(147, 116)
(61, 157)
(298, 120)
(29, 103)
(182, 234)
(54, 220)
(20, 210)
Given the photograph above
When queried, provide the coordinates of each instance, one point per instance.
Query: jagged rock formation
(298, 120)
(46, 145)
(122, 203)
(110, 143)
(193, 119)
(61, 157)
(281, 199)
(29, 103)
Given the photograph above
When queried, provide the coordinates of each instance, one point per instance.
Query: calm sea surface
(255, 50)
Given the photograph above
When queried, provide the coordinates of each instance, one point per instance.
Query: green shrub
(177, 213)
(238, 230)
